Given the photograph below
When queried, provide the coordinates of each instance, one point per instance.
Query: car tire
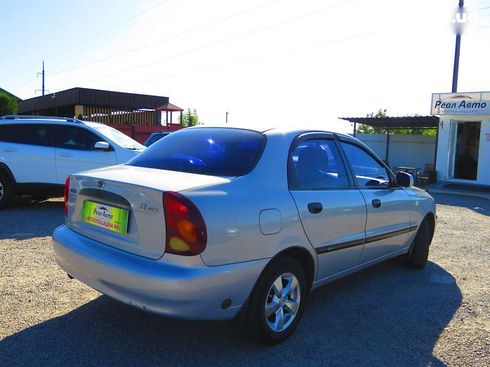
(277, 302)
(6, 191)
(419, 252)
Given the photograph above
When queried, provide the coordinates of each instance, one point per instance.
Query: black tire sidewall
(420, 250)
(7, 197)
(255, 323)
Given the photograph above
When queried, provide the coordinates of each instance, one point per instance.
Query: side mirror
(404, 179)
(102, 145)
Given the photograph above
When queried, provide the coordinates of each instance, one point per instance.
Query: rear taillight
(185, 227)
(66, 190)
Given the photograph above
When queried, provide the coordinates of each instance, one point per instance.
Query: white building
(463, 146)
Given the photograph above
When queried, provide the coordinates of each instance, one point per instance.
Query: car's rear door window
(32, 134)
(207, 151)
(316, 164)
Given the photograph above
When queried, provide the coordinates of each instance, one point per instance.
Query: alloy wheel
(282, 302)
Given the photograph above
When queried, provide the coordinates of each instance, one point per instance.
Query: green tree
(366, 129)
(189, 118)
(8, 104)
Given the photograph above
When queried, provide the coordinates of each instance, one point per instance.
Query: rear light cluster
(66, 190)
(185, 227)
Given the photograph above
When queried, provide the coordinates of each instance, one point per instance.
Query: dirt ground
(388, 315)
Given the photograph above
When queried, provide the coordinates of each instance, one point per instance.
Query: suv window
(33, 134)
(368, 171)
(207, 151)
(316, 164)
(72, 137)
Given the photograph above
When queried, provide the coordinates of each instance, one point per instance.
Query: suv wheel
(6, 191)
(276, 305)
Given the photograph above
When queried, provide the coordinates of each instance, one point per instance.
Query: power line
(24, 84)
(132, 17)
(128, 19)
(165, 39)
(250, 59)
(254, 31)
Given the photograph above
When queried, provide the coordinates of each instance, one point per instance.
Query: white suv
(37, 153)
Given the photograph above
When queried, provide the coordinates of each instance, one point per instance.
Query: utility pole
(226, 117)
(458, 46)
(42, 74)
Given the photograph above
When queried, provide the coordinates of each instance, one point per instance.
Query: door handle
(9, 150)
(376, 203)
(66, 155)
(315, 208)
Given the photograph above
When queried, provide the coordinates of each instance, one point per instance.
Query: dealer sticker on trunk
(105, 216)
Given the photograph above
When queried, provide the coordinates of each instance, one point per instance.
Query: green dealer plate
(105, 216)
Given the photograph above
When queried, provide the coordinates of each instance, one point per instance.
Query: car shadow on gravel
(30, 218)
(385, 316)
(479, 205)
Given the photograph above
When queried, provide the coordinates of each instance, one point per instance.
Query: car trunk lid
(122, 206)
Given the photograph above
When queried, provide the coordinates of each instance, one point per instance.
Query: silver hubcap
(282, 303)
(1, 190)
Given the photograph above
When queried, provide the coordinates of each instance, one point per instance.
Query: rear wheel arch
(302, 256)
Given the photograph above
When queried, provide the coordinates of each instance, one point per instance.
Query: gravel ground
(388, 315)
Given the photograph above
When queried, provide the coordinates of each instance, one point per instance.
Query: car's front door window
(70, 137)
(369, 172)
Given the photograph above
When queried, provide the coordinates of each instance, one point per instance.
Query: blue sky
(267, 62)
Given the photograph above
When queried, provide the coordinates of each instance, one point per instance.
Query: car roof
(279, 130)
(52, 120)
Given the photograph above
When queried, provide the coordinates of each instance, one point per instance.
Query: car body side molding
(379, 237)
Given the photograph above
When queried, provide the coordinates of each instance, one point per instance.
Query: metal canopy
(388, 123)
(412, 122)
(91, 97)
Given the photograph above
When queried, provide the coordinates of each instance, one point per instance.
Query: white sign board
(474, 103)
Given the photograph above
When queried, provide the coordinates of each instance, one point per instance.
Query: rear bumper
(190, 291)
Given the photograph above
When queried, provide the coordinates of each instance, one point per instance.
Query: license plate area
(105, 216)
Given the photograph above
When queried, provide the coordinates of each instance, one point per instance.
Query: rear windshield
(206, 151)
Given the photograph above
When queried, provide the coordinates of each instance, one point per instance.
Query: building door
(466, 149)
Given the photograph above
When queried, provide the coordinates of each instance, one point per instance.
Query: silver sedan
(222, 223)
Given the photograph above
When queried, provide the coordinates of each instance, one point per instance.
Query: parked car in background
(154, 137)
(38, 153)
(218, 223)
